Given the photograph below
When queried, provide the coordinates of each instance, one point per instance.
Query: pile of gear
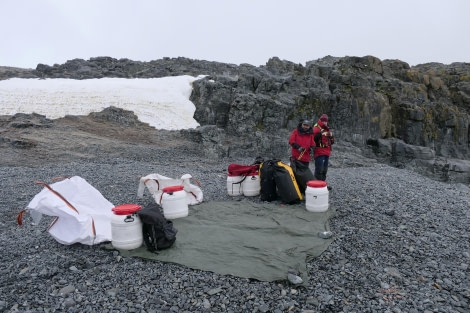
(83, 215)
(275, 180)
(212, 235)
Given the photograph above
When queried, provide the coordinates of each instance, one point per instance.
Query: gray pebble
(413, 260)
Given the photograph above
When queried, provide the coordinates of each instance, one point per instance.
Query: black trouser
(321, 167)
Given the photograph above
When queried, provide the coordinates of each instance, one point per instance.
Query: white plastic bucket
(234, 187)
(316, 196)
(126, 227)
(251, 185)
(174, 202)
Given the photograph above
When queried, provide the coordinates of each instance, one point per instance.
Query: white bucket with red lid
(316, 196)
(126, 227)
(174, 202)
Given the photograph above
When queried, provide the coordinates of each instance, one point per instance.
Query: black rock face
(415, 117)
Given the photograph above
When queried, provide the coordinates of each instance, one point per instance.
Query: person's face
(305, 126)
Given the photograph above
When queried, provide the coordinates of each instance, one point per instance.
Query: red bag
(242, 170)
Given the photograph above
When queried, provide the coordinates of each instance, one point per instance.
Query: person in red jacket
(302, 143)
(323, 141)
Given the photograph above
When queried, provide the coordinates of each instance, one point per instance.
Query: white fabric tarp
(156, 182)
(82, 214)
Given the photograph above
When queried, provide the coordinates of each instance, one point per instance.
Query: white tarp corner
(82, 214)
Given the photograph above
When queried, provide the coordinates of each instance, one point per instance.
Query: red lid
(126, 209)
(317, 183)
(171, 189)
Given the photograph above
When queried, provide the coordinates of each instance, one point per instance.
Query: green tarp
(246, 239)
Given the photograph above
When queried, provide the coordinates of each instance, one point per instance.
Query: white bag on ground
(156, 182)
(82, 214)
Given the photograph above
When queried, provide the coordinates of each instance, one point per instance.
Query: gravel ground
(401, 245)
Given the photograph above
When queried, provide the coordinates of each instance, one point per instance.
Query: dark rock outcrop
(414, 117)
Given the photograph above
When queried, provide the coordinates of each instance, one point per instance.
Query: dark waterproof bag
(302, 174)
(268, 191)
(287, 186)
(158, 232)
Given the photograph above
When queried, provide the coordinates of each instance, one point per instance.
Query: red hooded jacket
(300, 138)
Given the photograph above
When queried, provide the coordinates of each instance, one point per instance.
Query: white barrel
(234, 185)
(251, 186)
(126, 227)
(316, 196)
(174, 202)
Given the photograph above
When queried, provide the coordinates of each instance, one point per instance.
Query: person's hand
(301, 149)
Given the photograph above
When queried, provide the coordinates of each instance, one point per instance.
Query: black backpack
(268, 191)
(278, 182)
(158, 232)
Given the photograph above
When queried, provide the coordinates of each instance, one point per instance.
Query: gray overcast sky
(233, 31)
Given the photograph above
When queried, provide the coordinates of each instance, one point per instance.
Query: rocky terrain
(400, 238)
(33, 140)
(409, 117)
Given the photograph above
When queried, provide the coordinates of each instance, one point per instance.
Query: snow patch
(161, 102)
